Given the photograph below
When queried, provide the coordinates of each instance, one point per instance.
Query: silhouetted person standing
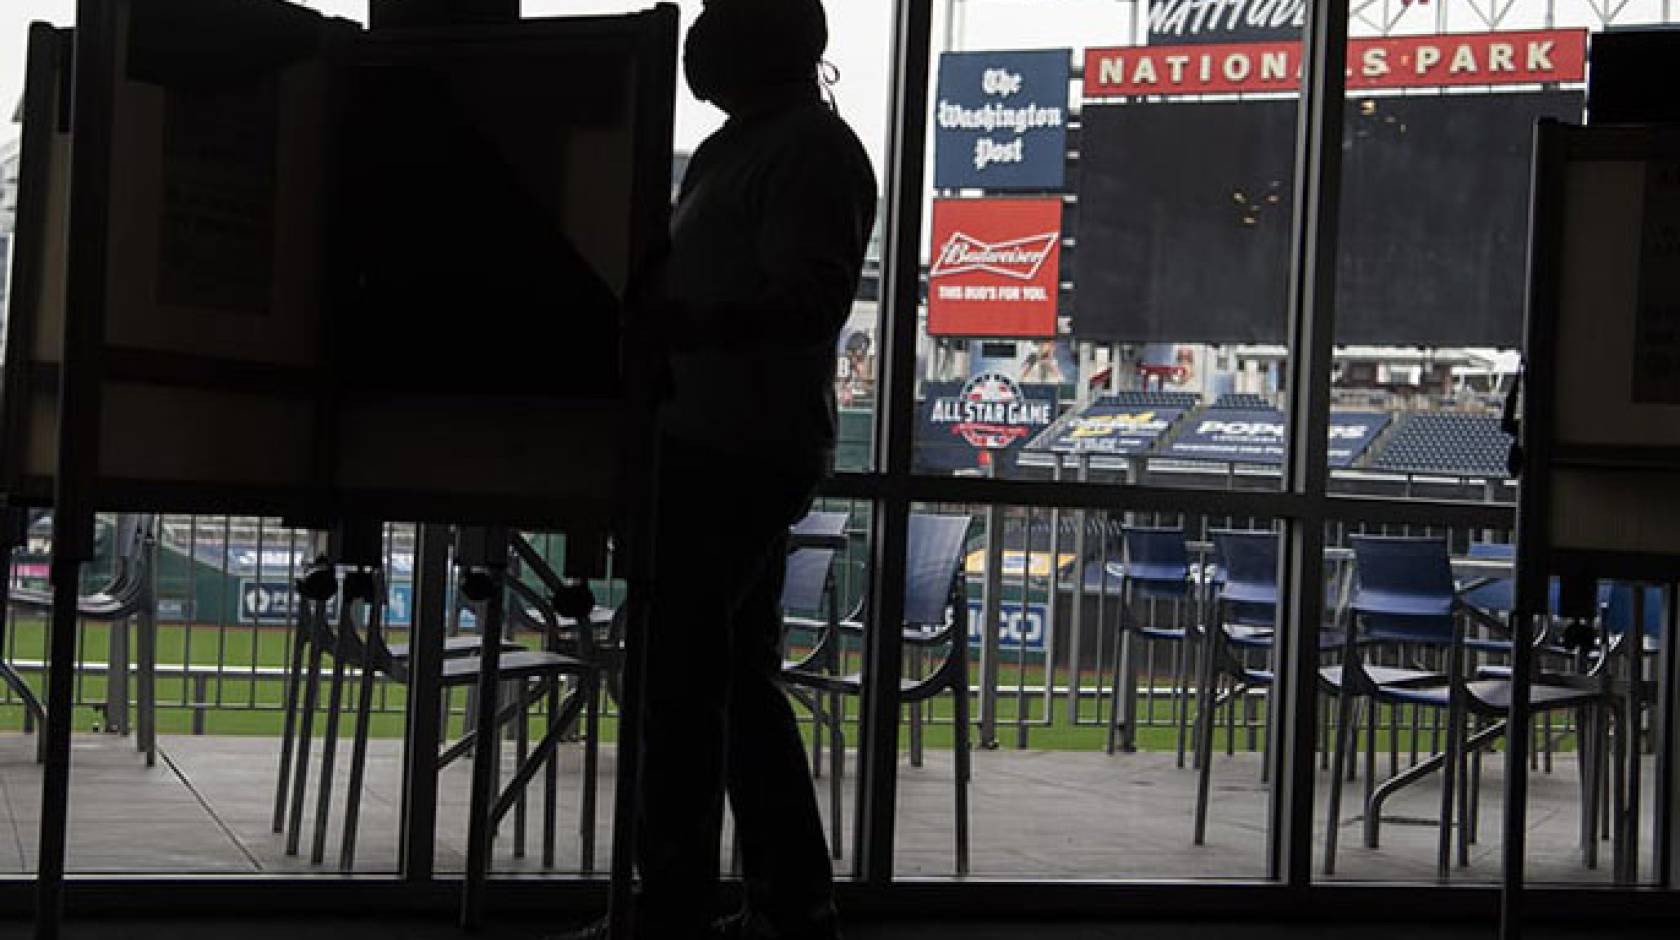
(767, 245)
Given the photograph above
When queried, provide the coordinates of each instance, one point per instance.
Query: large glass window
(1107, 249)
(1442, 101)
(1106, 239)
(1089, 678)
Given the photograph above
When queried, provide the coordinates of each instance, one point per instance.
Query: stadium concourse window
(204, 715)
(1442, 102)
(826, 586)
(859, 69)
(1095, 309)
(1106, 246)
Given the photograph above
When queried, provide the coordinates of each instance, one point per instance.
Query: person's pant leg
(703, 560)
(784, 853)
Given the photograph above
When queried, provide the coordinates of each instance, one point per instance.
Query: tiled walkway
(206, 808)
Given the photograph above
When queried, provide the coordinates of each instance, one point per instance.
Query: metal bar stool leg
(1345, 738)
(329, 739)
(146, 702)
(289, 721)
(306, 724)
(1181, 689)
(551, 776)
(522, 750)
(358, 767)
(1206, 697)
(591, 769)
(1117, 706)
(837, 772)
(961, 757)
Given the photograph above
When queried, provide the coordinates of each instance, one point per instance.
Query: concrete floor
(206, 809)
(1021, 930)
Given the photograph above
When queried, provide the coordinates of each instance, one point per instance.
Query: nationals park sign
(1503, 58)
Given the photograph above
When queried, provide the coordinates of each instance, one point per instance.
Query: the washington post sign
(1001, 120)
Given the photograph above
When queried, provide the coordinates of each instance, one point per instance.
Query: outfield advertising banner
(1019, 625)
(1001, 120)
(1256, 436)
(1503, 58)
(1118, 430)
(996, 267)
(989, 418)
(1204, 21)
(273, 601)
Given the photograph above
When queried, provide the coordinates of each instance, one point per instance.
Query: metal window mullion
(1666, 797)
(238, 601)
(256, 627)
(1312, 323)
(429, 598)
(901, 289)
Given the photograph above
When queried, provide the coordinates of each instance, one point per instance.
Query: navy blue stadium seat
(1183, 400)
(1450, 444)
(1246, 401)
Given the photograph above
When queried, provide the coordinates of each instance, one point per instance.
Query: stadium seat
(935, 617)
(1447, 444)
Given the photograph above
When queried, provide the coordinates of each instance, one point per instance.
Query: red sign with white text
(996, 267)
(1506, 58)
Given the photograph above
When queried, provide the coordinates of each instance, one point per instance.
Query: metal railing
(225, 601)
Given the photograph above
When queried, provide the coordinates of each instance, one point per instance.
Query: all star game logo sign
(992, 412)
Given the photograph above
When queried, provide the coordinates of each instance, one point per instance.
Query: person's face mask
(706, 59)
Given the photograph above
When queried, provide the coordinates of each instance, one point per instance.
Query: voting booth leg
(625, 815)
(482, 554)
(1517, 741)
(56, 727)
(642, 581)
(13, 528)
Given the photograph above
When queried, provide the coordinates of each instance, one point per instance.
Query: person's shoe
(745, 925)
(598, 929)
(601, 929)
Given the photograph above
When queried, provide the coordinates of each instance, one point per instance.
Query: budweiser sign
(1020, 259)
(1505, 58)
(995, 267)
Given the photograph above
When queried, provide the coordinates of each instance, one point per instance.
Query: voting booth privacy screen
(1602, 404)
(1184, 219)
(338, 267)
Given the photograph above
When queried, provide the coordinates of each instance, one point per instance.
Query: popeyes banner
(996, 267)
(1504, 58)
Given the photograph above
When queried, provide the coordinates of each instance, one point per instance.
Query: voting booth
(1600, 430)
(270, 263)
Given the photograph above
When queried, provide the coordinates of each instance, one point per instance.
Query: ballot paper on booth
(266, 301)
